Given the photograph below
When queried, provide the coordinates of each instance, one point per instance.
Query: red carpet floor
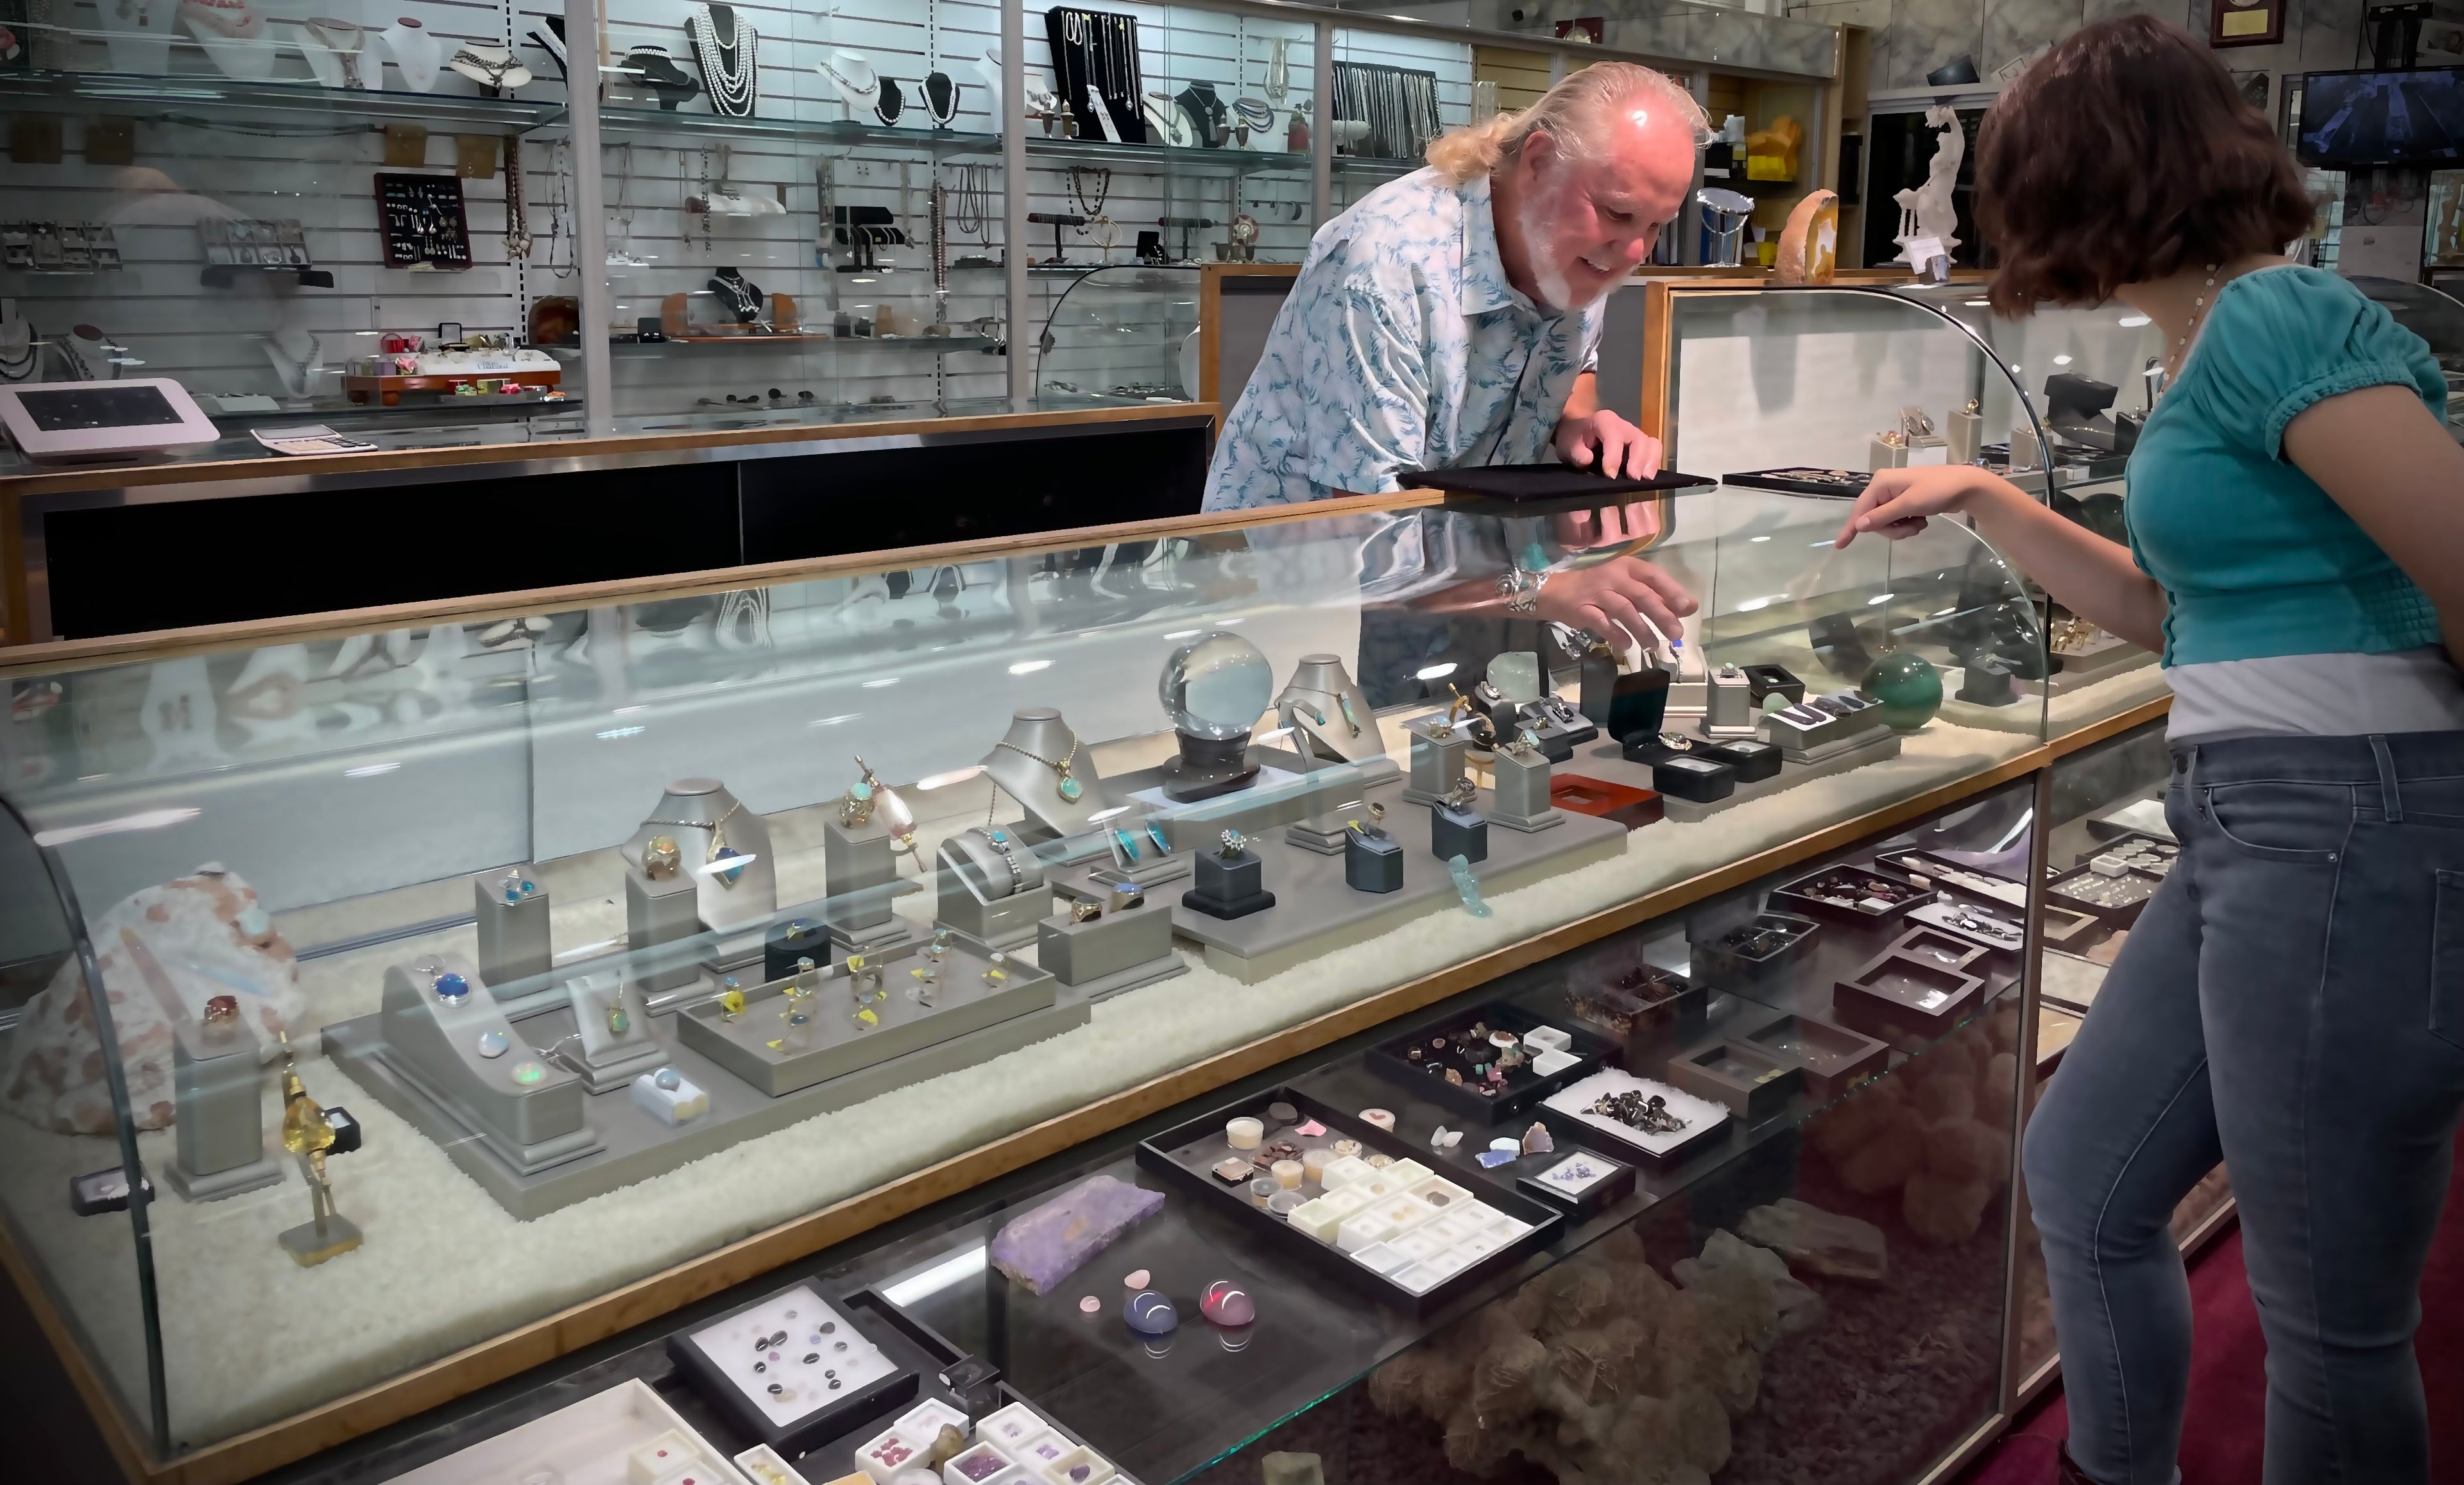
(2220, 1435)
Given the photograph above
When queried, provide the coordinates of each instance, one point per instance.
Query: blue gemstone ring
(1155, 833)
(451, 988)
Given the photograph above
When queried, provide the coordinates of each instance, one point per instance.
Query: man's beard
(1540, 250)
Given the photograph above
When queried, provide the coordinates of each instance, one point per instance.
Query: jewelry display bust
(492, 68)
(1328, 714)
(1041, 764)
(416, 54)
(709, 826)
(728, 48)
(333, 49)
(233, 34)
(739, 296)
(851, 74)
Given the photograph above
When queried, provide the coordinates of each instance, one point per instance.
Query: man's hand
(1622, 595)
(1605, 442)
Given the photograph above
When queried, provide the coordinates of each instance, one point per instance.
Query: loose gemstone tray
(1409, 1060)
(793, 1370)
(1866, 895)
(1446, 1237)
(1703, 1120)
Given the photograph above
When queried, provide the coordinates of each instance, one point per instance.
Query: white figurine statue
(1926, 210)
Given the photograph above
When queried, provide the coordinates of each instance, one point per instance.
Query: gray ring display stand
(1117, 952)
(1606, 762)
(219, 1086)
(1317, 913)
(631, 1145)
(976, 893)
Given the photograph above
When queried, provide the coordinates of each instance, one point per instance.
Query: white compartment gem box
(792, 1355)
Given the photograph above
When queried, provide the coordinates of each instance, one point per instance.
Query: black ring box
(1681, 776)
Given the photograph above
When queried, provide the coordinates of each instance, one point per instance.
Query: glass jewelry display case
(2052, 401)
(1817, 1209)
(623, 927)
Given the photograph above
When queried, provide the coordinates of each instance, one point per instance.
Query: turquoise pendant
(1071, 789)
(1344, 702)
(726, 875)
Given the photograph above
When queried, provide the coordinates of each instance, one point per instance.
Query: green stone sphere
(1909, 687)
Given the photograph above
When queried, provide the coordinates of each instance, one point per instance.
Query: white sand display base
(251, 1337)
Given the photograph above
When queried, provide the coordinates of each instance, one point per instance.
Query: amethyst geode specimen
(1050, 1243)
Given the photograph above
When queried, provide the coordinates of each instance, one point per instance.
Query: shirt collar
(1483, 274)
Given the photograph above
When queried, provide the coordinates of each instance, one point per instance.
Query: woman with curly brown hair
(2292, 1001)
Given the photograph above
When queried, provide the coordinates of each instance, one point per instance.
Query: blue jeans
(2291, 1003)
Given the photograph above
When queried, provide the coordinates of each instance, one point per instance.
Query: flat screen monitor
(2383, 117)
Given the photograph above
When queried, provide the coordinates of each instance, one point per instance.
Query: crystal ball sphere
(1907, 686)
(1216, 685)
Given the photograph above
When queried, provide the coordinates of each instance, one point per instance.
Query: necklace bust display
(726, 47)
(492, 68)
(416, 54)
(741, 296)
(851, 74)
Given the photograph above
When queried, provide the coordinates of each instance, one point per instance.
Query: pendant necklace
(2198, 312)
(1066, 784)
(517, 229)
(719, 850)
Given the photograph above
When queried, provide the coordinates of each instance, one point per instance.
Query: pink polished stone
(1136, 1278)
(1227, 1304)
(1090, 1304)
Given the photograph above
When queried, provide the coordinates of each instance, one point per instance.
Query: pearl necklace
(728, 69)
(2198, 312)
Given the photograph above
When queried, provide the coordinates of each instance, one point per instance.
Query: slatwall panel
(652, 170)
(1451, 61)
(194, 162)
(317, 167)
(1177, 46)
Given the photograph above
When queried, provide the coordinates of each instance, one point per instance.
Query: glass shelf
(942, 345)
(233, 99)
(618, 124)
(1162, 159)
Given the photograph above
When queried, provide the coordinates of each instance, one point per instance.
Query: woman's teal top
(2255, 558)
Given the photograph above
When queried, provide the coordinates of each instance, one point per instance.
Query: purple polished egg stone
(1150, 1314)
(1227, 1304)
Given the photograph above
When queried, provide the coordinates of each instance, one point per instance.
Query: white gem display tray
(621, 1436)
(1703, 1118)
(812, 1355)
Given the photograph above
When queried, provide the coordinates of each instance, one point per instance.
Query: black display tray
(1796, 897)
(1593, 1199)
(1974, 880)
(1681, 1009)
(1392, 1059)
(1718, 964)
(1187, 1154)
(809, 1430)
(1526, 484)
(1943, 914)
(2064, 890)
(1800, 480)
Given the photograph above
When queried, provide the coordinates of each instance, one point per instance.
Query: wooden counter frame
(543, 1340)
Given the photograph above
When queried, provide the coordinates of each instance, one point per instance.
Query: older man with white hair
(1451, 318)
